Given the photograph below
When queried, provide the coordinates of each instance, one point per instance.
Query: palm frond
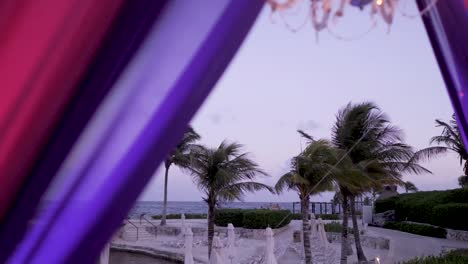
(450, 138)
(410, 187)
(377, 153)
(180, 156)
(285, 182)
(237, 190)
(214, 171)
(463, 181)
(305, 135)
(447, 129)
(428, 153)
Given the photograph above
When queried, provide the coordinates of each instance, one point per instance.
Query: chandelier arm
(353, 38)
(319, 26)
(387, 10)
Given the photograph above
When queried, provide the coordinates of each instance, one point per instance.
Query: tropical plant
(463, 181)
(450, 139)
(410, 187)
(180, 157)
(376, 149)
(307, 171)
(456, 256)
(223, 174)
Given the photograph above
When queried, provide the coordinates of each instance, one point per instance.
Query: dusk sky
(281, 81)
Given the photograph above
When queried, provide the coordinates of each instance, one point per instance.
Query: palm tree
(410, 187)
(450, 139)
(463, 181)
(376, 149)
(180, 157)
(223, 174)
(305, 177)
(353, 180)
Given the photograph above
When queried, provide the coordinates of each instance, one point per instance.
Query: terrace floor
(403, 246)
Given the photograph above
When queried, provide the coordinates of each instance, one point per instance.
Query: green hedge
(336, 227)
(423, 230)
(323, 216)
(459, 256)
(260, 219)
(178, 216)
(451, 215)
(253, 218)
(384, 205)
(225, 216)
(427, 207)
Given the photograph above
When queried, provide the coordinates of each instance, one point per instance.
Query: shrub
(451, 215)
(329, 217)
(323, 216)
(427, 207)
(262, 218)
(225, 216)
(252, 218)
(423, 230)
(459, 256)
(178, 216)
(385, 204)
(336, 227)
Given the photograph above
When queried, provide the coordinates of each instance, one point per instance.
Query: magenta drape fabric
(122, 40)
(136, 126)
(45, 47)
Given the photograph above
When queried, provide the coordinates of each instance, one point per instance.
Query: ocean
(155, 208)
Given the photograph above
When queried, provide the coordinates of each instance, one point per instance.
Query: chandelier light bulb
(379, 2)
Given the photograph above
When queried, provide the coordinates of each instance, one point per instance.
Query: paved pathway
(405, 246)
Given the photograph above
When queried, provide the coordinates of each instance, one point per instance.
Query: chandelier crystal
(325, 14)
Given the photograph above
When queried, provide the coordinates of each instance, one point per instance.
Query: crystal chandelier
(325, 14)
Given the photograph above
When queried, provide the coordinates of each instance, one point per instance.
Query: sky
(281, 81)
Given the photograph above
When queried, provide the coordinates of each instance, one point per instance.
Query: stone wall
(366, 241)
(457, 234)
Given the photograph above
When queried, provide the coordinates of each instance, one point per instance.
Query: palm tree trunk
(306, 230)
(211, 213)
(344, 231)
(164, 213)
(465, 168)
(357, 236)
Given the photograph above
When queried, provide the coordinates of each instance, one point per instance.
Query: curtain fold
(446, 27)
(135, 127)
(127, 32)
(130, 108)
(45, 48)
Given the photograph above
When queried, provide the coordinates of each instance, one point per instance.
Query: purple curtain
(139, 122)
(446, 27)
(125, 36)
